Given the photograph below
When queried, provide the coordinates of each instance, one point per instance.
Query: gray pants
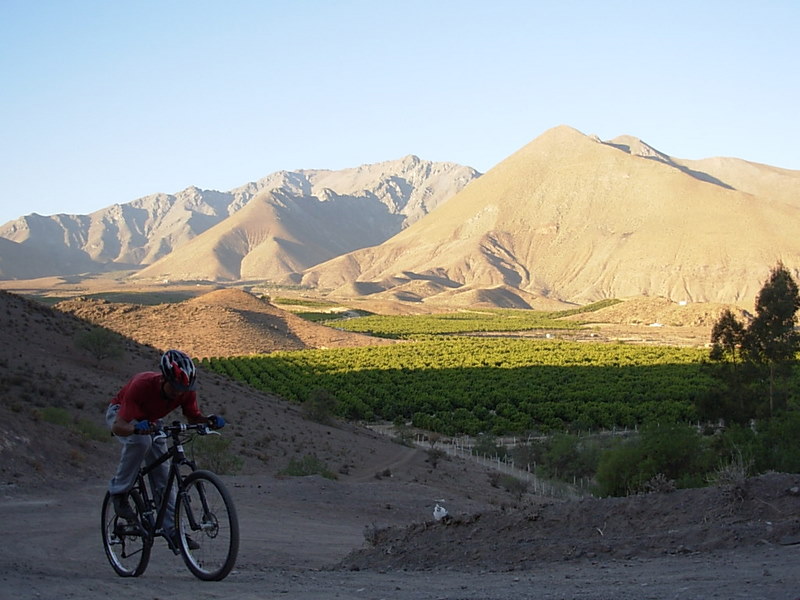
(138, 449)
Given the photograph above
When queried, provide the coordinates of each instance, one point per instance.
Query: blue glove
(142, 427)
(215, 422)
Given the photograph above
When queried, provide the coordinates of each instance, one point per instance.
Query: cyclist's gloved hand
(142, 427)
(215, 421)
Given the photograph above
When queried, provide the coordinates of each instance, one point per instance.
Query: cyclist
(136, 409)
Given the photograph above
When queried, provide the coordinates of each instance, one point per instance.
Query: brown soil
(759, 511)
(225, 322)
(369, 533)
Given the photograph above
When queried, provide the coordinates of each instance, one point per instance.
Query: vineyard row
(465, 385)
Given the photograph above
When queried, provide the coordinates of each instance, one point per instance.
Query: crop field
(465, 321)
(457, 384)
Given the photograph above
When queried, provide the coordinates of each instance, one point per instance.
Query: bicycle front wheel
(208, 527)
(127, 546)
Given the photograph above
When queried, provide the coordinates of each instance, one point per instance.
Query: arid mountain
(120, 236)
(289, 221)
(572, 219)
(568, 219)
(18, 262)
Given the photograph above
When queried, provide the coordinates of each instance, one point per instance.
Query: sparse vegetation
(308, 465)
(89, 430)
(513, 485)
(373, 533)
(435, 455)
(320, 406)
(55, 415)
(86, 429)
(100, 343)
(734, 472)
(213, 452)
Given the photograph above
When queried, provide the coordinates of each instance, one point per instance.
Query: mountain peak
(574, 219)
(636, 147)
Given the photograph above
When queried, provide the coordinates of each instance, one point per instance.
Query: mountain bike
(204, 510)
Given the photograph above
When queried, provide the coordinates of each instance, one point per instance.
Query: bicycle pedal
(128, 528)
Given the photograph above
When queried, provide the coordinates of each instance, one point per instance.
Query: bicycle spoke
(207, 516)
(127, 551)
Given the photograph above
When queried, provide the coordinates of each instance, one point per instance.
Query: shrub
(55, 415)
(618, 469)
(100, 343)
(403, 433)
(777, 448)
(672, 452)
(435, 455)
(513, 485)
(308, 465)
(659, 485)
(568, 457)
(213, 453)
(486, 445)
(733, 472)
(320, 406)
(771, 445)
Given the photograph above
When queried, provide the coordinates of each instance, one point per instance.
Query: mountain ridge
(140, 233)
(567, 219)
(572, 220)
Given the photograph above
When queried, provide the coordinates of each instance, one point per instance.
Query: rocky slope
(286, 221)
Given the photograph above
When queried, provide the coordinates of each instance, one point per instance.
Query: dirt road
(295, 531)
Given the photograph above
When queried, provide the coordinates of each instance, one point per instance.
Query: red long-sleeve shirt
(142, 399)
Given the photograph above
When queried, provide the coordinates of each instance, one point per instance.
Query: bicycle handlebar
(176, 426)
(162, 431)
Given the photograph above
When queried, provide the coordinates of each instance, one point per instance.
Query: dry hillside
(574, 219)
(567, 219)
(225, 322)
(54, 397)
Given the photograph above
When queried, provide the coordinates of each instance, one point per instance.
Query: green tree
(771, 340)
(726, 338)
(730, 400)
(570, 456)
(675, 452)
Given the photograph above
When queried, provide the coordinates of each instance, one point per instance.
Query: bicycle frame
(177, 457)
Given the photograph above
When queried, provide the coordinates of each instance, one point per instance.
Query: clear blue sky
(105, 101)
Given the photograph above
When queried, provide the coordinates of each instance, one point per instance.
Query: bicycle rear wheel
(205, 511)
(127, 546)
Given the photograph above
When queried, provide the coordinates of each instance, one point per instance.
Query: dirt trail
(295, 532)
